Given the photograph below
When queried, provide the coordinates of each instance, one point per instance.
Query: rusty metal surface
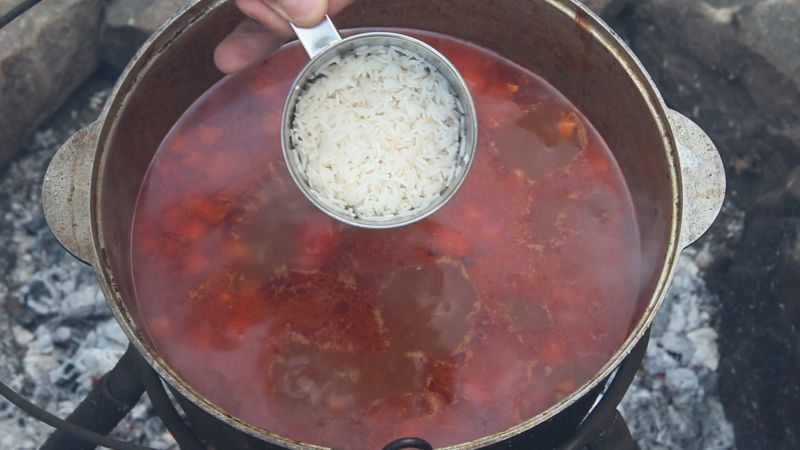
(558, 39)
(66, 193)
(703, 177)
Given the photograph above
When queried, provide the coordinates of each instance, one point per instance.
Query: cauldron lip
(163, 37)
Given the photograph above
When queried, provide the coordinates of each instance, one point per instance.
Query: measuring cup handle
(317, 38)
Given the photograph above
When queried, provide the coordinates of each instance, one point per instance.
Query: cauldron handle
(408, 443)
(702, 176)
(66, 193)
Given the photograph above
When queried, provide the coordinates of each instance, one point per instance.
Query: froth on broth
(508, 299)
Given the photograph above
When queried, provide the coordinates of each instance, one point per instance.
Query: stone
(771, 30)
(6, 6)
(128, 24)
(45, 54)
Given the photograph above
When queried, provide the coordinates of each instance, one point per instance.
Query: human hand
(268, 27)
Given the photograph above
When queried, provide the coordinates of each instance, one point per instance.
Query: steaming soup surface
(478, 318)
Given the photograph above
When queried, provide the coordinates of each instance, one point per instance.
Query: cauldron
(672, 168)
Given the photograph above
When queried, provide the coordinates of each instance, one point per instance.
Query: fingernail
(299, 10)
(274, 4)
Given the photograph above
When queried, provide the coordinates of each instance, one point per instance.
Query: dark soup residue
(507, 300)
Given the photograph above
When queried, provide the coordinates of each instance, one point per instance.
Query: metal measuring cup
(323, 43)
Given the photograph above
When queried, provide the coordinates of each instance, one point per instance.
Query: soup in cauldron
(487, 313)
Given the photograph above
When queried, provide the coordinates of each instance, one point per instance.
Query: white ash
(673, 402)
(57, 336)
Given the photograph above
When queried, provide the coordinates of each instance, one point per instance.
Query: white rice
(377, 132)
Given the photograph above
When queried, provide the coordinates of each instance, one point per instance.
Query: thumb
(305, 13)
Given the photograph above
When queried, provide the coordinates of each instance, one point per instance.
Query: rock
(7, 5)
(44, 55)
(129, 23)
(771, 30)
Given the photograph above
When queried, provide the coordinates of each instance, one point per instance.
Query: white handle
(317, 38)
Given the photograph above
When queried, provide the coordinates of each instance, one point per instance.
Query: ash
(57, 336)
(674, 402)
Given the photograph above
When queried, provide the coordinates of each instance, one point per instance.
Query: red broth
(507, 300)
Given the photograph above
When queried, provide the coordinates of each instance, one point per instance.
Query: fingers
(305, 13)
(248, 43)
(275, 14)
(268, 16)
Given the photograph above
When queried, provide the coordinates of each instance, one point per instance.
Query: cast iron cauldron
(672, 168)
